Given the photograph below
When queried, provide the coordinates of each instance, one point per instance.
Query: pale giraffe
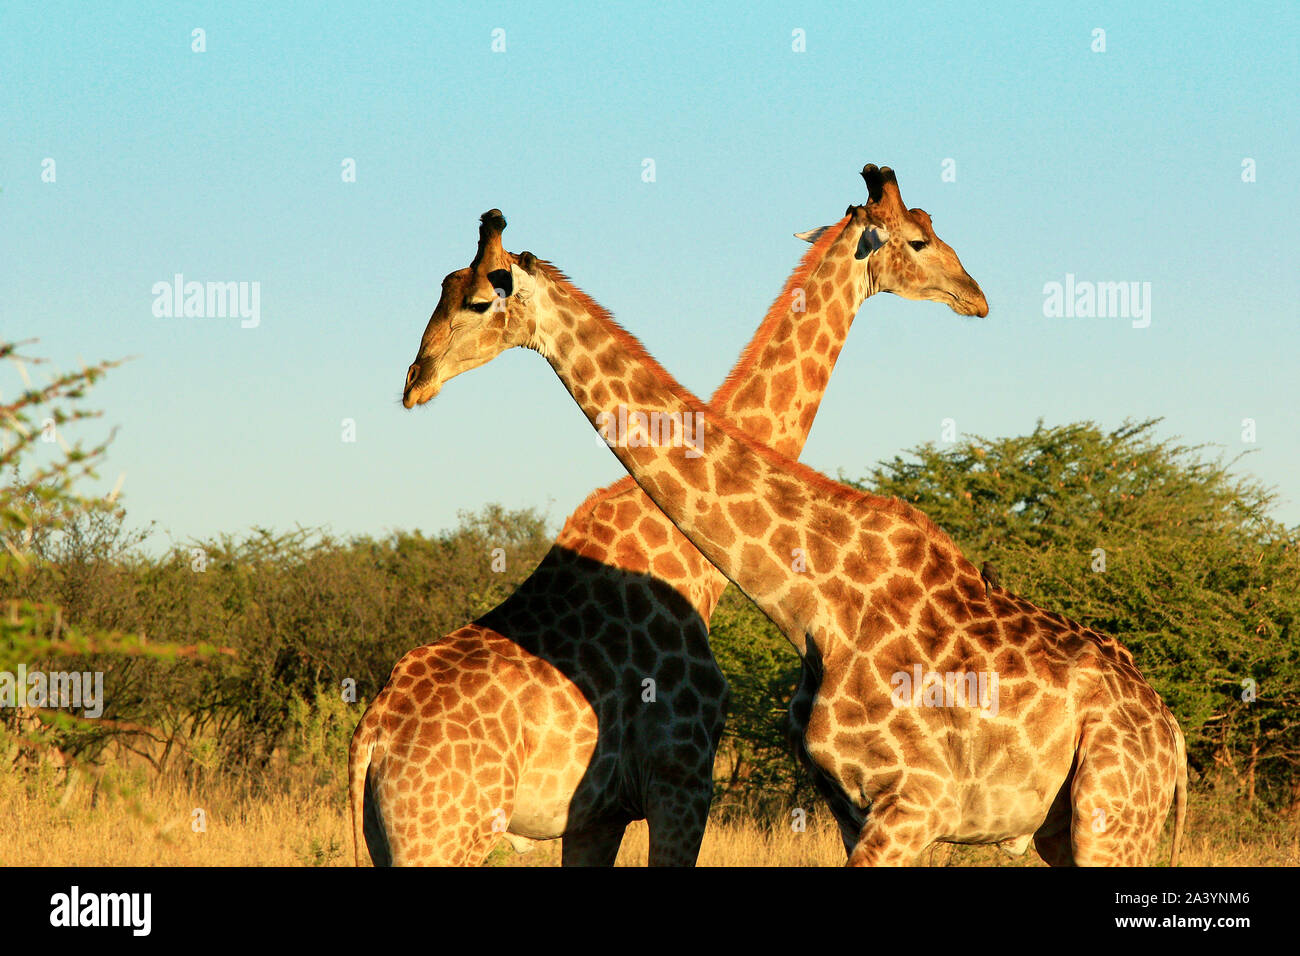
(531, 719)
(1021, 724)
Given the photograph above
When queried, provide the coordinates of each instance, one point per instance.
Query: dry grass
(746, 843)
(143, 825)
(127, 820)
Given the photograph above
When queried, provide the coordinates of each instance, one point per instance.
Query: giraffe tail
(360, 751)
(1180, 793)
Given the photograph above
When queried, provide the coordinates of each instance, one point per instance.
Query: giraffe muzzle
(416, 392)
(970, 300)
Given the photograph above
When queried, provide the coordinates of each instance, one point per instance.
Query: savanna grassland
(145, 822)
(235, 668)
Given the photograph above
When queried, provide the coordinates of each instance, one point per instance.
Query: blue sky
(225, 165)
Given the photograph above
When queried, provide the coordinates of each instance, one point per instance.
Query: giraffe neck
(776, 387)
(722, 490)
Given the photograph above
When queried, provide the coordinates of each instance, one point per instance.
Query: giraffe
(539, 703)
(933, 705)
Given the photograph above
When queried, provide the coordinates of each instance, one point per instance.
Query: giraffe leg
(849, 819)
(894, 835)
(1052, 841)
(1052, 838)
(1119, 807)
(464, 839)
(595, 845)
(373, 828)
(677, 816)
(446, 818)
(849, 838)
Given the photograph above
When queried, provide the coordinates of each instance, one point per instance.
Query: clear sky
(227, 165)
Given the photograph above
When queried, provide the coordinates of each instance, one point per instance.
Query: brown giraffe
(1020, 724)
(533, 718)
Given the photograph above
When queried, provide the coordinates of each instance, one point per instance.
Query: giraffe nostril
(412, 373)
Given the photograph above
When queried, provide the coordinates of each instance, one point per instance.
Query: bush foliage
(234, 651)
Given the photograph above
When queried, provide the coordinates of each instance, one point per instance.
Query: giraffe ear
(521, 276)
(812, 235)
(873, 237)
(503, 281)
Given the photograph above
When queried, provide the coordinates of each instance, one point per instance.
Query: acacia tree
(37, 506)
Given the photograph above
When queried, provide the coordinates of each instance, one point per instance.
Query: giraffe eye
(918, 244)
(479, 307)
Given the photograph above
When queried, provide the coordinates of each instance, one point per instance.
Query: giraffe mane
(637, 352)
(626, 340)
(748, 356)
(593, 499)
(767, 328)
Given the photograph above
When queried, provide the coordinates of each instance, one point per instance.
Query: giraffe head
(902, 253)
(472, 322)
